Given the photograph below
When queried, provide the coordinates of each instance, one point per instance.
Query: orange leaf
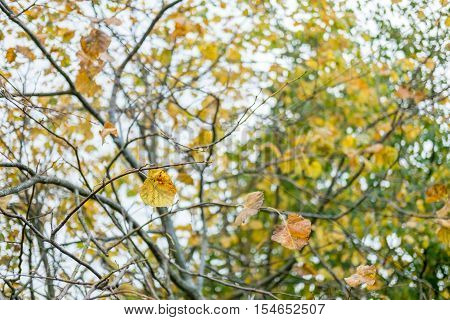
(294, 233)
(108, 129)
(364, 274)
(95, 43)
(435, 193)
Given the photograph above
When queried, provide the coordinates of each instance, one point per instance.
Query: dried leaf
(252, 204)
(294, 233)
(435, 193)
(113, 21)
(158, 189)
(108, 129)
(364, 274)
(27, 52)
(95, 43)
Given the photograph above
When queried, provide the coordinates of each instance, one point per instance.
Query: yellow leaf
(293, 233)
(158, 189)
(108, 129)
(364, 274)
(253, 203)
(86, 84)
(443, 235)
(95, 43)
(314, 169)
(210, 52)
(10, 55)
(435, 193)
(185, 178)
(348, 142)
(386, 156)
(411, 132)
(233, 55)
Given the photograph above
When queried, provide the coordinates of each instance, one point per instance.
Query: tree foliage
(224, 149)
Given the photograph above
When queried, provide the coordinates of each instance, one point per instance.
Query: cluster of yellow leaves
(364, 275)
(253, 203)
(158, 189)
(293, 233)
(93, 46)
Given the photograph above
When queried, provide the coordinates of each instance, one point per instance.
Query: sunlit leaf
(158, 189)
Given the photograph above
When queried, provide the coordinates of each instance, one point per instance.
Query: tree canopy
(191, 149)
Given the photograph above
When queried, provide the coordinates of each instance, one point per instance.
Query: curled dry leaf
(435, 193)
(294, 233)
(95, 43)
(108, 129)
(27, 52)
(158, 189)
(253, 203)
(364, 274)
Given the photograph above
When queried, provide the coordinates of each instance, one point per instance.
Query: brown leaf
(95, 43)
(294, 233)
(404, 93)
(113, 21)
(108, 129)
(364, 274)
(253, 203)
(27, 52)
(435, 193)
